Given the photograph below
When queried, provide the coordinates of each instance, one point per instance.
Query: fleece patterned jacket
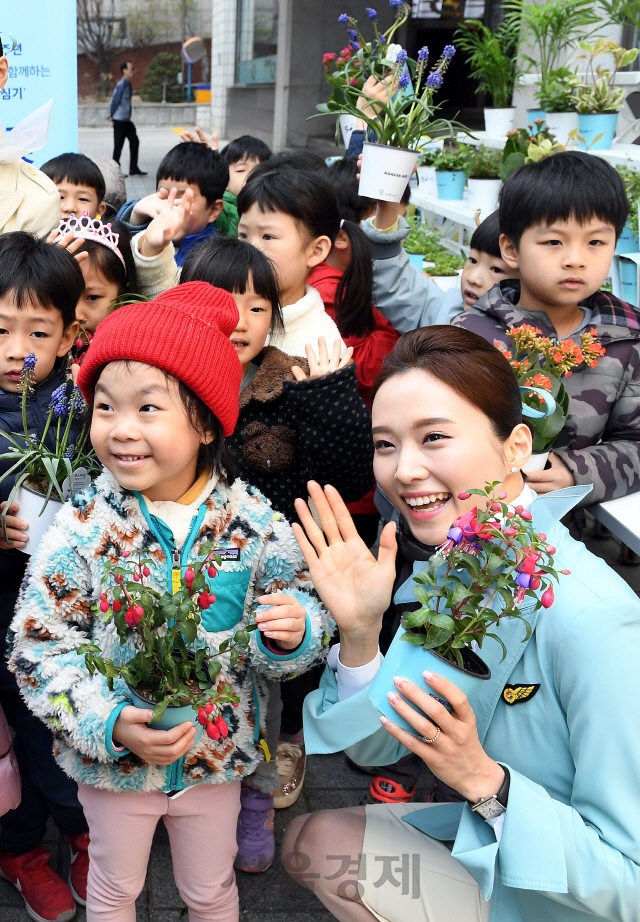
(54, 618)
(600, 441)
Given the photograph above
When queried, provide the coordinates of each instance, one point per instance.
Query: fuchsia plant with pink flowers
(493, 559)
(163, 627)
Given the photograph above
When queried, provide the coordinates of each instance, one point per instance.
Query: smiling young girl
(159, 420)
(561, 843)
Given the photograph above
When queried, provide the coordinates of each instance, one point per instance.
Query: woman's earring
(514, 470)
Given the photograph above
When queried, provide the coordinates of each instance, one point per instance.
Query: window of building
(257, 41)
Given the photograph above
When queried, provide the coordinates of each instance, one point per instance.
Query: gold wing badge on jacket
(516, 694)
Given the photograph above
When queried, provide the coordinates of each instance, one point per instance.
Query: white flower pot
(561, 124)
(347, 124)
(498, 121)
(427, 182)
(31, 504)
(483, 195)
(537, 462)
(385, 171)
(444, 282)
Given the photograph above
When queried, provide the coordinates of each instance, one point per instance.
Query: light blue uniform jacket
(570, 848)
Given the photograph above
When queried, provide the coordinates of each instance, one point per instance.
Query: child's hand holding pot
(283, 621)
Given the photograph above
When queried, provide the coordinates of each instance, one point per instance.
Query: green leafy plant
(422, 238)
(631, 180)
(444, 264)
(163, 65)
(551, 29)
(601, 95)
(539, 361)
(163, 627)
(621, 12)
(523, 146)
(44, 462)
(492, 560)
(492, 56)
(484, 163)
(556, 94)
(453, 159)
(428, 157)
(409, 113)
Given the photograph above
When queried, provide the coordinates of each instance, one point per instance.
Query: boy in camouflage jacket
(560, 220)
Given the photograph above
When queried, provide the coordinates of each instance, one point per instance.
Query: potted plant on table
(421, 242)
(484, 179)
(492, 560)
(50, 467)
(167, 670)
(629, 241)
(444, 268)
(427, 183)
(556, 98)
(599, 102)
(452, 168)
(493, 59)
(524, 146)
(399, 123)
(540, 364)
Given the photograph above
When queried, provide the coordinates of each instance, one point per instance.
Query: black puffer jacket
(14, 563)
(289, 432)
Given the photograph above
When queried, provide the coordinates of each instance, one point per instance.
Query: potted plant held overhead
(50, 467)
(598, 103)
(484, 180)
(452, 167)
(540, 364)
(492, 560)
(400, 122)
(338, 77)
(161, 667)
(493, 57)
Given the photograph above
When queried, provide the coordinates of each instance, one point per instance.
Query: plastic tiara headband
(92, 229)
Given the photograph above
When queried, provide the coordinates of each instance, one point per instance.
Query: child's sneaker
(256, 842)
(79, 867)
(291, 762)
(46, 896)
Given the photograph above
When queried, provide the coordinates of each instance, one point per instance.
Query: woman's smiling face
(430, 445)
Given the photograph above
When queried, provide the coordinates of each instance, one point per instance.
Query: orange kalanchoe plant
(539, 361)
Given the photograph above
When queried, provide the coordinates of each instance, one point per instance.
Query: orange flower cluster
(539, 381)
(531, 349)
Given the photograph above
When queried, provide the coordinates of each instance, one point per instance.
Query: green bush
(445, 264)
(163, 64)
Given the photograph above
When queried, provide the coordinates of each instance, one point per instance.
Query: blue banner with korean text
(39, 40)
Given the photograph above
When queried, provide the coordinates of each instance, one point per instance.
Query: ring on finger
(433, 738)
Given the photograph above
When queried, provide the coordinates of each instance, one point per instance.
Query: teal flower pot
(451, 184)
(627, 242)
(171, 718)
(590, 126)
(532, 115)
(629, 281)
(410, 661)
(416, 259)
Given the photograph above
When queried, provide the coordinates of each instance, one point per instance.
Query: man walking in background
(120, 115)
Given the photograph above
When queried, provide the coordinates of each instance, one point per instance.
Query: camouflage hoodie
(600, 442)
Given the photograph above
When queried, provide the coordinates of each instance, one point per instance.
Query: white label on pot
(81, 481)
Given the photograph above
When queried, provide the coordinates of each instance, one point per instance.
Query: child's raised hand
(285, 621)
(16, 528)
(149, 207)
(69, 242)
(167, 223)
(200, 138)
(161, 747)
(323, 364)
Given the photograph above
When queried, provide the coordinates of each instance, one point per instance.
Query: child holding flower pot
(159, 422)
(543, 759)
(560, 219)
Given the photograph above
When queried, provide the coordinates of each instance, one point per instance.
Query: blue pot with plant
(598, 101)
(452, 167)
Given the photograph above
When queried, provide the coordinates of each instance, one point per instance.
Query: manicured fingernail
(393, 698)
(385, 721)
(430, 677)
(399, 682)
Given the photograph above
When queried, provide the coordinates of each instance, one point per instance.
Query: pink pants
(201, 824)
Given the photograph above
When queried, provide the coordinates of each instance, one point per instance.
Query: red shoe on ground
(46, 896)
(79, 867)
(385, 791)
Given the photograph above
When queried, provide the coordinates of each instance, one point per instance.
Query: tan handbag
(9, 771)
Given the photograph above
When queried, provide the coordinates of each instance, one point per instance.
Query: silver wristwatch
(491, 807)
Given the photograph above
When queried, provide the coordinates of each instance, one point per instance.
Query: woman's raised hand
(354, 586)
(323, 364)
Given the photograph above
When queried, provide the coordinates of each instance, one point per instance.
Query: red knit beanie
(184, 331)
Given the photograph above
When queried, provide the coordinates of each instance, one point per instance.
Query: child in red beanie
(162, 380)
